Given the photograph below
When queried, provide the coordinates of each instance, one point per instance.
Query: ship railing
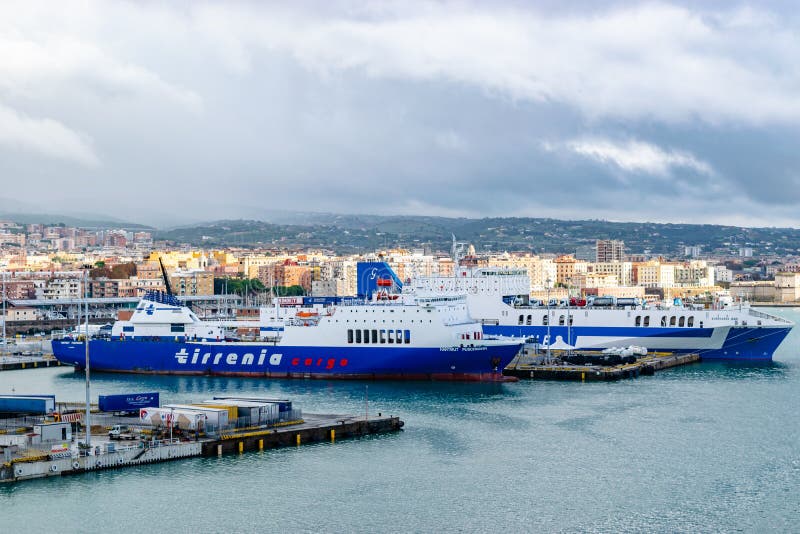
(762, 315)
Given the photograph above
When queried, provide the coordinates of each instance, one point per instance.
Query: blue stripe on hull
(169, 357)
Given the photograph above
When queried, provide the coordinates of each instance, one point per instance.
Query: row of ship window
(376, 337)
(680, 322)
(545, 320)
(673, 321)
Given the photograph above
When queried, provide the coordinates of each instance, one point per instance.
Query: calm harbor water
(708, 447)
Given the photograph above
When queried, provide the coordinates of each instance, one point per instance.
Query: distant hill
(71, 220)
(358, 233)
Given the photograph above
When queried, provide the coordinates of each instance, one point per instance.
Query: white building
(623, 270)
(694, 273)
(723, 274)
(61, 288)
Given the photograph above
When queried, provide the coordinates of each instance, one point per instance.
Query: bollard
(583, 377)
(298, 439)
(261, 444)
(219, 450)
(333, 435)
(241, 447)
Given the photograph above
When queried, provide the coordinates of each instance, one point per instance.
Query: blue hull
(479, 363)
(741, 343)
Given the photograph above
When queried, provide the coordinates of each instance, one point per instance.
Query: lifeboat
(307, 314)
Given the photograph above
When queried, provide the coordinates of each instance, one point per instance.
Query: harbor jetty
(563, 366)
(38, 447)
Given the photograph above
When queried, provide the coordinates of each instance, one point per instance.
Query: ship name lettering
(328, 363)
(182, 355)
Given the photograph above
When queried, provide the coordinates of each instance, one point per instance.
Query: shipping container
(258, 413)
(233, 411)
(128, 402)
(215, 417)
(27, 404)
(284, 405)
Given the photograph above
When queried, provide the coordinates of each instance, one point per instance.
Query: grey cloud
(221, 110)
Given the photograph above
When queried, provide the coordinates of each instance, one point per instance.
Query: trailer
(128, 402)
(27, 404)
(215, 417)
(166, 417)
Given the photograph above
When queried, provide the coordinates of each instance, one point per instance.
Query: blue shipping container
(128, 402)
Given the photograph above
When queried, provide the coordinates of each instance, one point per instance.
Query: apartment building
(608, 250)
(192, 282)
(623, 270)
(61, 288)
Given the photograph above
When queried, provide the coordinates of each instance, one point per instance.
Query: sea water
(702, 448)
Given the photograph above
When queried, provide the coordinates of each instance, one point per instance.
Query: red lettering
(319, 362)
(295, 361)
(343, 362)
(331, 363)
(308, 361)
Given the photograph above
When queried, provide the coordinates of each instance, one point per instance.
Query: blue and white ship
(393, 337)
(500, 299)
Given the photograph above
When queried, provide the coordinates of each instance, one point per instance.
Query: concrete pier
(314, 428)
(115, 454)
(14, 362)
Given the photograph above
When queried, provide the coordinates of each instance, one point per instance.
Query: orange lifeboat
(307, 314)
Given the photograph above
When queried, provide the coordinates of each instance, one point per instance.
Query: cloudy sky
(174, 112)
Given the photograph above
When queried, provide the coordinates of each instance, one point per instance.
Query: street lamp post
(5, 342)
(547, 287)
(569, 316)
(86, 348)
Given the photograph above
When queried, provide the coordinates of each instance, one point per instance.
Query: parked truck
(123, 432)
